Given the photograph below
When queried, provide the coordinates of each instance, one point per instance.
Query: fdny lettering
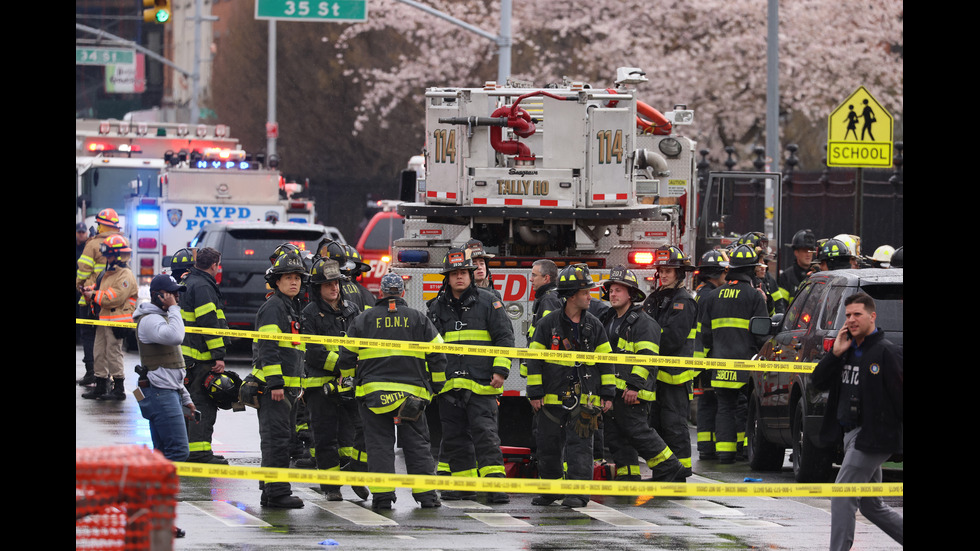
(391, 398)
(522, 187)
(726, 376)
(391, 321)
(725, 292)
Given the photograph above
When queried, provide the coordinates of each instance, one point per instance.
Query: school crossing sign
(859, 133)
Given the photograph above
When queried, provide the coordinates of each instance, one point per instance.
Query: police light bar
(148, 218)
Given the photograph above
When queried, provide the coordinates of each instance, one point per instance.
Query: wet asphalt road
(225, 513)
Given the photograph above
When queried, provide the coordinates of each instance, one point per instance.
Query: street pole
(271, 106)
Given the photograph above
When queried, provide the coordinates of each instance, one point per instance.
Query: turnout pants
(861, 467)
(275, 434)
(668, 416)
(727, 422)
(338, 435)
(379, 439)
(707, 413)
(199, 432)
(108, 354)
(558, 441)
(470, 443)
(628, 433)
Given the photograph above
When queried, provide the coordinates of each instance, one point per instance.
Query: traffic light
(156, 11)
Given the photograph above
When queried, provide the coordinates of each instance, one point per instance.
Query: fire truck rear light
(146, 262)
(248, 252)
(413, 257)
(642, 258)
(146, 243)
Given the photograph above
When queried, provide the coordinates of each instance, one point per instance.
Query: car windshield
(247, 244)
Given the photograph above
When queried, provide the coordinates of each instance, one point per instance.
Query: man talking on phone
(161, 394)
(864, 373)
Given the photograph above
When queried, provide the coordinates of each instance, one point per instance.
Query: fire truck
(567, 172)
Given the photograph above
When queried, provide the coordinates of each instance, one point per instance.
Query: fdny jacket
(201, 307)
(637, 333)
(724, 319)
(676, 313)
(115, 294)
(279, 363)
(382, 377)
(551, 380)
(546, 300)
(477, 318)
(319, 318)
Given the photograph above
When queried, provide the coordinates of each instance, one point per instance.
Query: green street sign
(312, 10)
(104, 56)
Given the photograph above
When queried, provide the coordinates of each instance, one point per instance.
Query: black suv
(245, 248)
(784, 411)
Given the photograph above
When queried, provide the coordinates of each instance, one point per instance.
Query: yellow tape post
(535, 485)
(522, 353)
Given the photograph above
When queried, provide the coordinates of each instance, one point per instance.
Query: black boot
(118, 392)
(98, 390)
(89, 378)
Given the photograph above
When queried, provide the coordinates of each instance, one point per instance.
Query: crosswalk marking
(227, 514)
(709, 508)
(612, 516)
(498, 520)
(464, 504)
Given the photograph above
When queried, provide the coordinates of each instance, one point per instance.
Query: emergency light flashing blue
(223, 165)
(413, 257)
(148, 218)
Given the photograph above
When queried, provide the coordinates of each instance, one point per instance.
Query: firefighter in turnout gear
(568, 397)
(804, 244)
(352, 290)
(91, 263)
(395, 385)
(724, 315)
(204, 354)
(626, 429)
(673, 307)
(467, 314)
(277, 366)
(113, 298)
(481, 272)
(338, 436)
(711, 274)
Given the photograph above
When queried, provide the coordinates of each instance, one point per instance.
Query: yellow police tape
(523, 353)
(536, 485)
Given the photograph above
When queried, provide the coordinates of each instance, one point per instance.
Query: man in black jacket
(864, 373)
(467, 314)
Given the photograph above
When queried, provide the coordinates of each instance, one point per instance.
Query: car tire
(763, 454)
(811, 464)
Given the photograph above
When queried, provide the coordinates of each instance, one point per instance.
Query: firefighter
(181, 263)
(568, 397)
(626, 428)
(278, 368)
(89, 264)
(882, 256)
(394, 386)
(481, 274)
(113, 297)
(352, 290)
(711, 274)
(672, 306)
(201, 307)
(804, 245)
(354, 273)
(724, 315)
(834, 255)
(338, 437)
(543, 279)
(467, 314)
(778, 298)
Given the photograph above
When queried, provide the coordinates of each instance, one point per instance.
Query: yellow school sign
(859, 133)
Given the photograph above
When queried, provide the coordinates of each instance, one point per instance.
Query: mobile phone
(196, 415)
